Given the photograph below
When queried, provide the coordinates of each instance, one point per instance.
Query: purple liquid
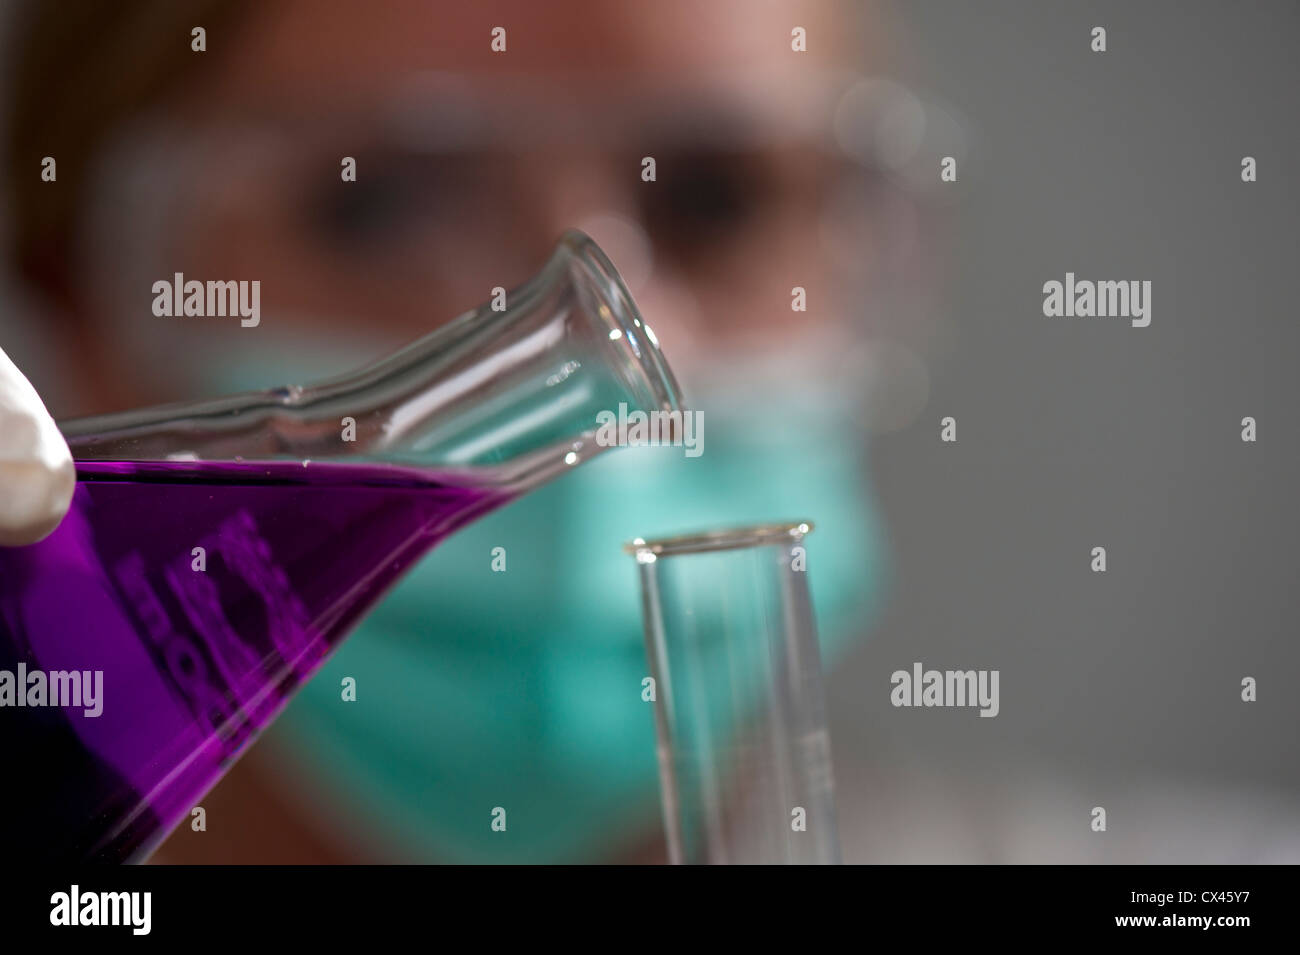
(194, 662)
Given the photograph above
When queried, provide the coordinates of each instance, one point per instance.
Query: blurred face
(470, 163)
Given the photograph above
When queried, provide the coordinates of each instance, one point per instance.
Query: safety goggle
(457, 177)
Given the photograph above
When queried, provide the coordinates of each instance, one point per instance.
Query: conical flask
(217, 552)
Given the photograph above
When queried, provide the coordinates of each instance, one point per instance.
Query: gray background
(1120, 689)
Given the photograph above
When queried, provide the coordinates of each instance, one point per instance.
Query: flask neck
(510, 391)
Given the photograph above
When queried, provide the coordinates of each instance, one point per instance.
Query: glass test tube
(744, 752)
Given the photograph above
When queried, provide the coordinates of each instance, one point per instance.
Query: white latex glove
(36, 472)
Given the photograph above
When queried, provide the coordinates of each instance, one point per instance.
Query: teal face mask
(521, 689)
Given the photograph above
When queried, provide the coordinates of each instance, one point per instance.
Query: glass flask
(740, 713)
(217, 552)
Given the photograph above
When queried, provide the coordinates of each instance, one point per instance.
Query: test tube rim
(732, 538)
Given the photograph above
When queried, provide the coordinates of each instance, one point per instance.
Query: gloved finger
(37, 476)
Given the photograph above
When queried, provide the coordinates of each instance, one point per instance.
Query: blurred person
(475, 689)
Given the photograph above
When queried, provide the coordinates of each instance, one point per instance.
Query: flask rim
(623, 320)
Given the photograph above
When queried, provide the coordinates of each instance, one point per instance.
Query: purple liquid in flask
(291, 557)
(215, 554)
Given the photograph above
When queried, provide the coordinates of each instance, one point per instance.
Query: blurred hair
(78, 70)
